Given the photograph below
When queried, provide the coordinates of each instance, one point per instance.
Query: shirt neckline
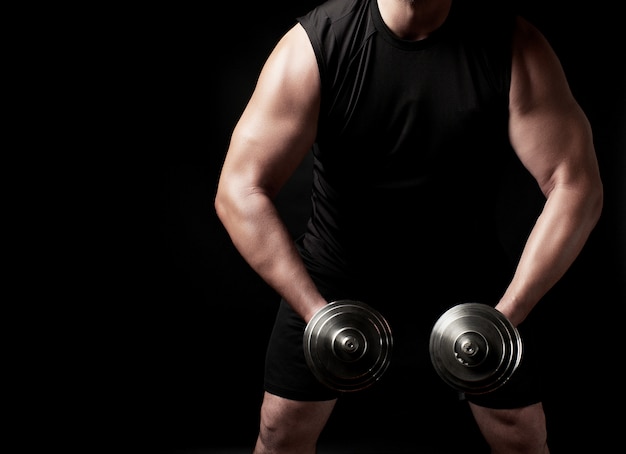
(404, 44)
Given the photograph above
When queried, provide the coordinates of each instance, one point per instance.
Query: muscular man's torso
(411, 135)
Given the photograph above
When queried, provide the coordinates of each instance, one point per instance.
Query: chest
(406, 113)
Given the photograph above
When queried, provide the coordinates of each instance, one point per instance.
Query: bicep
(278, 125)
(549, 131)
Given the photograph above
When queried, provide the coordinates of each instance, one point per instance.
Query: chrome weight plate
(474, 348)
(348, 345)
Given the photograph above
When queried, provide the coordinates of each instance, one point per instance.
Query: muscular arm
(553, 139)
(273, 135)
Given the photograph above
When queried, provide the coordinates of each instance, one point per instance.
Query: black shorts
(287, 374)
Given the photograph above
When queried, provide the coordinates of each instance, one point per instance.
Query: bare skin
(518, 430)
(302, 421)
(550, 135)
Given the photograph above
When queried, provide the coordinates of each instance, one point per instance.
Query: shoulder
(335, 17)
(536, 69)
(290, 73)
(528, 36)
(337, 30)
(333, 10)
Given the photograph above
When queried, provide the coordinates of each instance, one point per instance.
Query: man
(416, 112)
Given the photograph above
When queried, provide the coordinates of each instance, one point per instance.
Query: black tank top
(411, 134)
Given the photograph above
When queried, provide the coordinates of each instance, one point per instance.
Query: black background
(187, 321)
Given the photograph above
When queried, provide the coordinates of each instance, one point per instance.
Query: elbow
(220, 203)
(234, 202)
(596, 200)
(222, 210)
(218, 207)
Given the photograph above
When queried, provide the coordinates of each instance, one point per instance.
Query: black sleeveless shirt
(410, 141)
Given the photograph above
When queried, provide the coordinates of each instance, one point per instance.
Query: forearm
(263, 240)
(560, 232)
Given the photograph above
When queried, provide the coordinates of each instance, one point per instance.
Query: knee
(517, 441)
(274, 437)
(288, 427)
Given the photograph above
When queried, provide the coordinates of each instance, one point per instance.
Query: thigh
(286, 371)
